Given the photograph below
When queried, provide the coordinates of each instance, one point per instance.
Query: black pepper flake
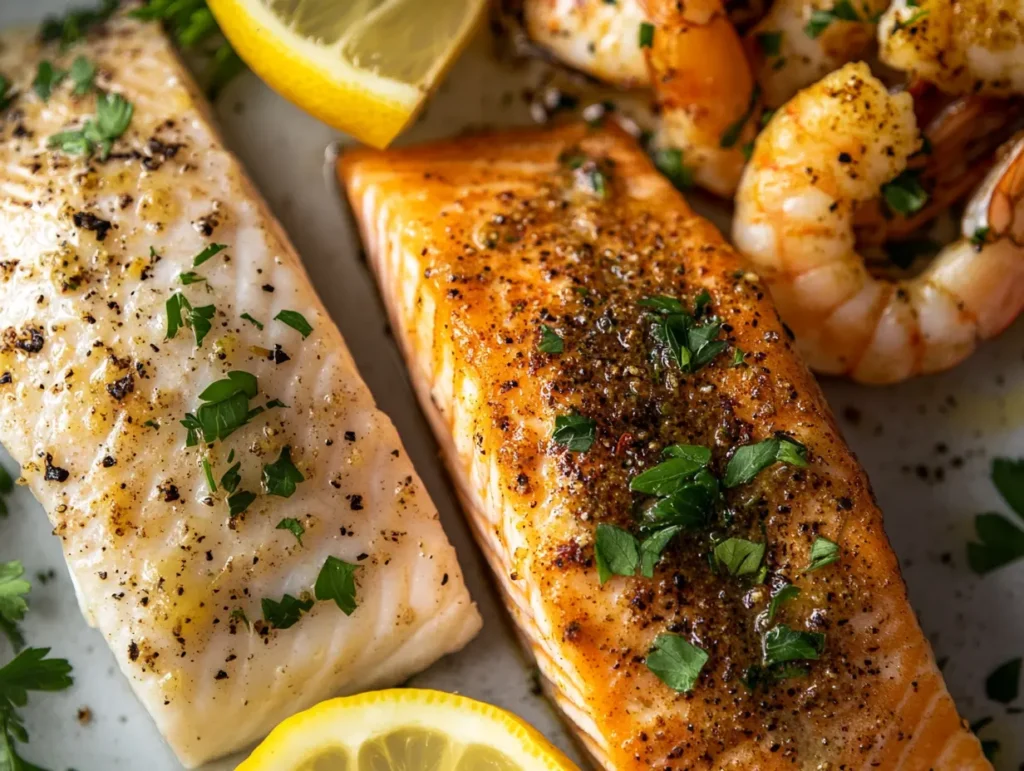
(444, 579)
(268, 287)
(88, 221)
(109, 461)
(221, 675)
(169, 492)
(122, 387)
(350, 436)
(6, 378)
(54, 473)
(277, 355)
(356, 502)
(133, 651)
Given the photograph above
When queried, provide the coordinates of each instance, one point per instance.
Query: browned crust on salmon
(477, 243)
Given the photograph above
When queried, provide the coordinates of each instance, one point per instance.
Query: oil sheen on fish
(176, 534)
(556, 298)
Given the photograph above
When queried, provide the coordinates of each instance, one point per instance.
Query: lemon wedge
(363, 66)
(405, 730)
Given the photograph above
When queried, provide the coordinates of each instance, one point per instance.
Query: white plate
(977, 412)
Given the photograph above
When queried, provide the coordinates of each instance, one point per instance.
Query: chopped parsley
(336, 581)
(822, 18)
(915, 17)
(738, 556)
(30, 670)
(784, 595)
(575, 432)
(239, 502)
(113, 114)
(286, 613)
(905, 195)
(732, 134)
(239, 615)
(770, 42)
(281, 477)
(1003, 684)
(207, 253)
(823, 552)
(208, 472)
(190, 277)
(82, 73)
(980, 236)
(13, 606)
(737, 357)
(231, 478)
(296, 321)
(225, 408)
(676, 662)
(782, 644)
(616, 552)
(47, 78)
(5, 93)
(668, 476)
(75, 24)
(692, 344)
(646, 36)
(254, 322)
(749, 460)
(1000, 540)
(181, 313)
(550, 342)
(293, 526)
(669, 161)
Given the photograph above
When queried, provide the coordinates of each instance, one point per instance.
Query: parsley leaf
(231, 478)
(296, 321)
(207, 253)
(208, 472)
(1003, 684)
(732, 134)
(5, 93)
(676, 662)
(47, 78)
(646, 36)
(616, 552)
(652, 547)
(667, 477)
(980, 236)
(823, 552)
(190, 277)
(1008, 477)
(239, 502)
(113, 114)
(662, 304)
(181, 313)
(688, 507)
(575, 432)
(770, 42)
(739, 556)
(293, 526)
(785, 594)
(253, 321)
(12, 601)
(82, 73)
(225, 408)
(905, 195)
(669, 161)
(286, 613)
(821, 18)
(75, 24)
(550, 342)
(1001, 542)
(748, 461)
(337, 582)
(782, 644)
(281, 477)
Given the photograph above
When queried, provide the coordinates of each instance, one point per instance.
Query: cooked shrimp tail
(825, 152)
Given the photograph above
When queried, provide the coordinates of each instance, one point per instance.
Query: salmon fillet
(173, 562)
(533, 280)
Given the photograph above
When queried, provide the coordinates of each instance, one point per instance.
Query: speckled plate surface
(926, 445)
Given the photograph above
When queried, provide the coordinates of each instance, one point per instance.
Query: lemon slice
(405, 730)
(363, 66)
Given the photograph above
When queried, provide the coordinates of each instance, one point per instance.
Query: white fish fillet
(158, 563)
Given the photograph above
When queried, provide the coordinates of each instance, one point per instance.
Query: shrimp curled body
(831, 147)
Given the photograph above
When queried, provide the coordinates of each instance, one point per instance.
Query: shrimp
(829, 149)
(689, 54)
(968, 46)
(800, 41)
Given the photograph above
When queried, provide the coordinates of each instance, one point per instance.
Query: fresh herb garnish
(190, 277)
(13, 606)
(47, 78)
(732, 134)
(5, 93)
(253, 321)
(823, 552)
(286, 613)
(231, 478)
(687, 507)
(239, 615)
(550, 342)
(336, 581)
(113, 114)
(782, 643)
(676, 662)
(281, 477)
(6, 484)
(646, 36)
(905, 195)
(737, 357)
(749, 460)
(225, 408)
(296, 321)
(616, 552)
(82, 73)
(784, 595)
(574, 431)
(669, 475)
(1001, 541)
(207, 253)
(652, 547)
(980, 236)
(30, 670)
(738, 556)
(75, 24)
(293, 526)
(1003, 684)
(770, 43)
(208, 472)
(239, 502)
(915, 17)
(821, 18)
(181, 313)
(692, 344)
(669, 161)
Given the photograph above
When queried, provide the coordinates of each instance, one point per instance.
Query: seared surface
(478, 243)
